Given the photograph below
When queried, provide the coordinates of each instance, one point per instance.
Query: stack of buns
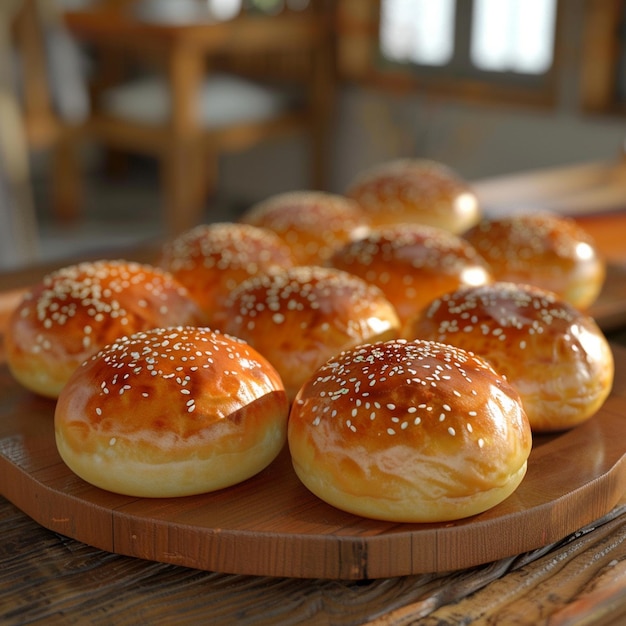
(374, 334)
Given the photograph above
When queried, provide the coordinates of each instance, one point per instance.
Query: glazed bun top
(416, 190)
(542, 249)
(197, 376)
(299, 317)
(212, 259)
(409, 431)
(313, 223)
(78, 309)
(171, 412)
(413, 264)
(556, 356)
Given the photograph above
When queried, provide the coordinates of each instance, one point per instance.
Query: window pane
(513, 35)
(419, 31)
(224, 9)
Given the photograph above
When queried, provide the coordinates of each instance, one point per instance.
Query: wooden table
(185, 53)
(46, 577)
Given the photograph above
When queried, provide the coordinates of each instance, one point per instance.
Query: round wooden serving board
(271, 525)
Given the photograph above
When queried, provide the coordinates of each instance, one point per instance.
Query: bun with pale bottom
(416, 190)
(556, 356)
(171, 412)
(300, 317)
(542, 249)
(79, 309)
(409, 432)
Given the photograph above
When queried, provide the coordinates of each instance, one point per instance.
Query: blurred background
(127, 120)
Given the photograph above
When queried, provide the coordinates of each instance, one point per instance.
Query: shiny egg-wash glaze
(542, 249)
(413, 264)
(409, 432)
(80, 308)
(300, 317)
(312, 223)
(171, 412)
(212, 259)
(555, 355)
(404, 191)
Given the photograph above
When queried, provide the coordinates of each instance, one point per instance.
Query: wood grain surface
(47, 578)
(271, 525)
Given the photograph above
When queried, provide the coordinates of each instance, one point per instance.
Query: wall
(478, 141)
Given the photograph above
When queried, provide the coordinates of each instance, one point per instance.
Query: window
(514, 36)
(484, 50)
(227, 9)
(524, 52)
(418, 31)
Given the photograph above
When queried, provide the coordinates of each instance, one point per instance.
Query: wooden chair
(52, 95)
(211, 86)
(33, 118)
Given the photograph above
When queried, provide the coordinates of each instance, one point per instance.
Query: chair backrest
(51, 87)
(40, 120)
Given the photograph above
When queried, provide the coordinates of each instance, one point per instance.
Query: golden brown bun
(78, 309)
(212, 259)
(171, 412)
(413, 264)
(556, 357)
(299, 317)
(313, 223)
(409, 432)
(542, 249)
(416, 190)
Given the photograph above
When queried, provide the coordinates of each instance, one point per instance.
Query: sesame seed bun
(312, 223)
(212, 259)
(299, 317)
(416, 190)
(545, 250)
(171, 412)
(556, 356)
(78, 309)
(409, 432)
(413, 264)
